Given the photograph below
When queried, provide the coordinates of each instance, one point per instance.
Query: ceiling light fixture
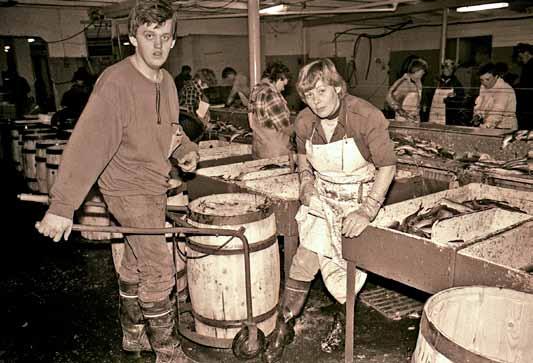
(466, 9)
(276, 9)
(31, 40)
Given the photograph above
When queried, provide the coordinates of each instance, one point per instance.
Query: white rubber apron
(411, 104)
(343, 178)
(437, 114)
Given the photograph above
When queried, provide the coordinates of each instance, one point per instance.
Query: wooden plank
(411, 260)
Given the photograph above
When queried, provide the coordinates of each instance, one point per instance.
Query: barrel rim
(263, 212)
(441, 342)
(55, 149)
(35, 137)
(46, 143)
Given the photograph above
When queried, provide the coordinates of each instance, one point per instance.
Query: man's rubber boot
(134, 338)
(293, 301)
(161, 328)
(334, 339)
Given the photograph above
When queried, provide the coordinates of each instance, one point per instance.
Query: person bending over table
(346, 164)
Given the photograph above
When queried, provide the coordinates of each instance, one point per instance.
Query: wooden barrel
(216, 276)
(40, 161)
(476, 324)
(29, 151)
(53, 159)
(94, 215)
(20, 144)
(17, 127)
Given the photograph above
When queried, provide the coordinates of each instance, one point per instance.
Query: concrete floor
(60, 303)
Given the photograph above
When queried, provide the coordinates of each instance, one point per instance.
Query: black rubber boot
(334, 339)
(161, 328)
(294, 296)
(134, 338)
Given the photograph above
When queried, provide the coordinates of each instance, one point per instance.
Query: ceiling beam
(122, 8)
(407, 9)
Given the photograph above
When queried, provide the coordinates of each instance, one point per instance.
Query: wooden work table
(501, 258)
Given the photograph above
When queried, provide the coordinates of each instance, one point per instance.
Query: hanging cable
(73, 35)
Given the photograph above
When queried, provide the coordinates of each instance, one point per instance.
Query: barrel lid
(230, 209)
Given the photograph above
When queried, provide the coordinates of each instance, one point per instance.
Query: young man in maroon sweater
(124, 139)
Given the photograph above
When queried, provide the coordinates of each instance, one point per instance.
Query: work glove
(307, 190)
(356, 222)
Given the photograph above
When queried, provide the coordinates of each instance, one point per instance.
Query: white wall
(49, 24)
(319, 44)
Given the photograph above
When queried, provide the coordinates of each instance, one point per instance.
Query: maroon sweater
(119, 141)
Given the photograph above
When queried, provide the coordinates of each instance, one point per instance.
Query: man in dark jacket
(524, 90)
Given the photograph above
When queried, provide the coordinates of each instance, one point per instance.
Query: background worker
(182, 77)
(192, 97)
(346, 163)
(524, 90)
(74, 100)
(496, 104)
(268, 114)
(124, 138)
(405, 95)
(447, 86)
(240, 89)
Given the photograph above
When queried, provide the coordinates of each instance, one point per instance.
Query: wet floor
(60, 301)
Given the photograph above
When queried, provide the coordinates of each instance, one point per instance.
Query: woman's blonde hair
(319, 70)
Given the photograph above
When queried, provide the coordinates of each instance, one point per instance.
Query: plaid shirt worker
(190, 96)
(268, 106)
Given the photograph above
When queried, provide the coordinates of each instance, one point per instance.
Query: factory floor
(59, 303)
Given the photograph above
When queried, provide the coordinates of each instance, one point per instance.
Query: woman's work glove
(307, 190)
(188, 162)
(356, 222)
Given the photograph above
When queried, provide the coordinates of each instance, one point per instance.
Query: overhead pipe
(443, 36)
(352, 10)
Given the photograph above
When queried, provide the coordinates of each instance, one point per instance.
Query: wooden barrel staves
(17, 128)
(94, 215)
(29, 153)
(53, 159)
(40, 161)
(476, 324)
(216, 276)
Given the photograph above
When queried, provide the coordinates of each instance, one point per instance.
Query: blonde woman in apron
(405, 94)
(346, 163)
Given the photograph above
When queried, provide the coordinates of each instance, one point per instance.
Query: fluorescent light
(31, 40)
(466, 9)
(126, 43)
(276, 9)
